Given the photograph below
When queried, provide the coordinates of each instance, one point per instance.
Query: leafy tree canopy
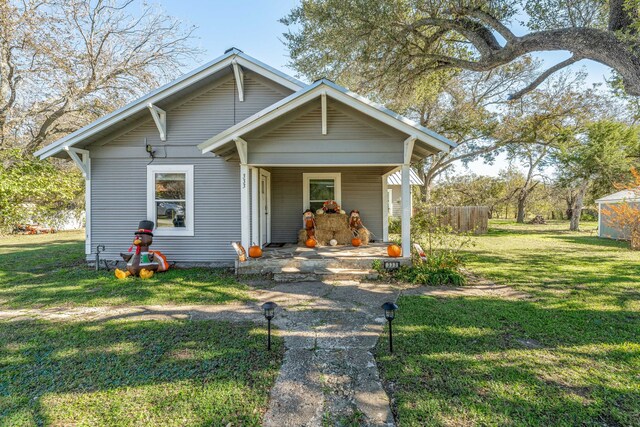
(401, 41)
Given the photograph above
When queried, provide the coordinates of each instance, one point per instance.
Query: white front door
(265, 207)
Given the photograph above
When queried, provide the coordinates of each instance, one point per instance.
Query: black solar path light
(269, 310)
(390, 313)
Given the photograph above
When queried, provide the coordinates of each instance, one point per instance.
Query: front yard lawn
(570, 355)
(124, 373)
(49, 270)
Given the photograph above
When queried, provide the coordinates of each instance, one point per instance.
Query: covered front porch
(322, 143)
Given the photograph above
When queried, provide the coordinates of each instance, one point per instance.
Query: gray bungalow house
(236, 150)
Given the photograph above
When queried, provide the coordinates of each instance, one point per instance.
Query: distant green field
(568, 356)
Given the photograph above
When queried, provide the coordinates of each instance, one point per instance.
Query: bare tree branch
(544, 76)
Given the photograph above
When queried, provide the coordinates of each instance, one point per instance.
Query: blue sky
(253, 27)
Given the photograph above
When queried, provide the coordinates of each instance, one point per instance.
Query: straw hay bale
(323, 236)
(332, 222)
(343, 236)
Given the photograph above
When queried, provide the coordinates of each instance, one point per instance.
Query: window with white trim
(320, 187)
(170, 199)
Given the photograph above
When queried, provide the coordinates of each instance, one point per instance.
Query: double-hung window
(320, 187)
(170, 199)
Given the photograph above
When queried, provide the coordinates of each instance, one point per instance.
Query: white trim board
(188, 230)
(306, 177)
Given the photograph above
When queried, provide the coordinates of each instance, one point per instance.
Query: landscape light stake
(269, 310)
(390, 313)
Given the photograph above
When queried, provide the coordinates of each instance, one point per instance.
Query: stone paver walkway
(329, 374)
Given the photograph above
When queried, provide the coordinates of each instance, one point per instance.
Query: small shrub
(395, 225)
(442, 268)
(443, 247)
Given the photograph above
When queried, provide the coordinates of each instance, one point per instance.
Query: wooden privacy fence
(463, 218)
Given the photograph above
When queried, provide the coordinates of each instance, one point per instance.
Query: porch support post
(406, 212)
(255, 204)
(244, 206)
(406, 197)
(83, 161)
(385, 208)
(245, 215)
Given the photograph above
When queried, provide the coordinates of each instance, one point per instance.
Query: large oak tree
(406, 39)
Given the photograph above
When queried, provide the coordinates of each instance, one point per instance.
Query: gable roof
(167, 90)
(396, 178)
(324, 86)
(621, 196)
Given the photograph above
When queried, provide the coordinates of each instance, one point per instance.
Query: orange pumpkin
(311, 243)
(394, 251)
(356, 241)
(255, 251)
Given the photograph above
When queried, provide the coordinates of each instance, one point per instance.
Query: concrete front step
(292, 274)
(306, 265)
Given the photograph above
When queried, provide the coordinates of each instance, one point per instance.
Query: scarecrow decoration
(309, 223)
(141, 261)
(332, 226)
(355, 223)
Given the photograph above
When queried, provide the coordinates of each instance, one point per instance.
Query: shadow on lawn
(591, 241)
(544, 274)
(490, 361)
(54, 273)
(57, 372)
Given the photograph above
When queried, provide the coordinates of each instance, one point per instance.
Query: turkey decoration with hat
(141, 261)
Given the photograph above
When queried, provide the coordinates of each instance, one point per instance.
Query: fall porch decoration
(329, 226)
(255, 251)
(140, 260)
(394, 251)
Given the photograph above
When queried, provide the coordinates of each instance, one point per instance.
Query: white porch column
(406, 212)
(255, 205)
(245, 216)
(385, 208)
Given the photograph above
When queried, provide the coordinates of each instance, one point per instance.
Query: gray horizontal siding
(119, 202)
(352, 138)
(119, 173)
(361, 189)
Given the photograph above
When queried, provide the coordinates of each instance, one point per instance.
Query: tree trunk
(522, 201)
(576, 209)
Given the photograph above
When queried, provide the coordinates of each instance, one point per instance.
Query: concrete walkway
(329, 373)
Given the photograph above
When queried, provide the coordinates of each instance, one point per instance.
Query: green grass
(570, 355)
(123, 373)
(49, 270)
